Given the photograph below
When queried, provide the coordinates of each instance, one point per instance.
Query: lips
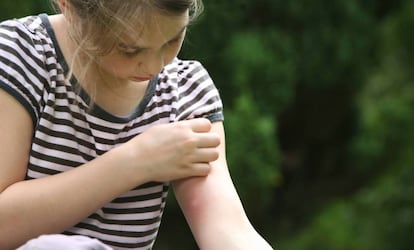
(141, 79)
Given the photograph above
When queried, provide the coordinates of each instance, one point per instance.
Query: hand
(177, 150)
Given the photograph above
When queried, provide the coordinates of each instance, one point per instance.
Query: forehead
(156, 28)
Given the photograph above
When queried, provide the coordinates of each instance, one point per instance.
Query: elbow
(14, 232)
(8, 241)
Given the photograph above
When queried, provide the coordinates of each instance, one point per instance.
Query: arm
(54, 203)
(213, 209)
(50, 204)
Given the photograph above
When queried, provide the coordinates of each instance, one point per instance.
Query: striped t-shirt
(68, 133)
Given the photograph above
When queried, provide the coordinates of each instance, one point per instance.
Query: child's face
(141, 56)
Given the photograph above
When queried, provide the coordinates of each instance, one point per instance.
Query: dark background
(319, 109)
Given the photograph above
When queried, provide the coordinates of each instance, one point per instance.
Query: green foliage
(252, 153)
(399, 39)
(265, 67)
(380, 216)
(19, 8)
(334, 38)
(387, 101)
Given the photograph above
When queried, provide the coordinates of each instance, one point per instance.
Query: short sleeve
(21, 66)
(198, 96)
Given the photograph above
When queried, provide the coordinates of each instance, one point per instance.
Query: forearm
(55, 203)
(217, 218)
(214, 211)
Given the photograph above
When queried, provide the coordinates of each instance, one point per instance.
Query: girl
(99, 116)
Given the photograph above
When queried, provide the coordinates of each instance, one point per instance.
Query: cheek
(172, 52)
(116, 65)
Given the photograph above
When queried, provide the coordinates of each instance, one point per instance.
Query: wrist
(241, 237)
(131, 163)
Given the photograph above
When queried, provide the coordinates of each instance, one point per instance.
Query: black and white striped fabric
(69, 133)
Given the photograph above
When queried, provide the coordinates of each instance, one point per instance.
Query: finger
(201, 169)
(198, 125)
(205, 155)
(208, 140)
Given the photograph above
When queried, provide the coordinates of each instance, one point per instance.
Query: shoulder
(25, 52)
(27, 29)
(185, 71)
(26, 46)
(25, 36)
(181, 65)
(196, 92)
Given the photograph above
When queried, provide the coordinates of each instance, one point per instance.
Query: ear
(63, 5)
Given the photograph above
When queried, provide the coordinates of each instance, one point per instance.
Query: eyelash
(131, 53)
(137, 51)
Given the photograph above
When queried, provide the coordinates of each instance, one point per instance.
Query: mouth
(140, 79)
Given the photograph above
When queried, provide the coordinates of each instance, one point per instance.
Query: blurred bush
(19, 8)
(253, 154)
(381, 215)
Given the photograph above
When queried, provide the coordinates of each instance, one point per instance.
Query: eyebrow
(125, 46)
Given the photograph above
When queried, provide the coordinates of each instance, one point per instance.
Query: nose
(152, 63)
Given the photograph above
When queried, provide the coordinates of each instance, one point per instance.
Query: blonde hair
(98, 25)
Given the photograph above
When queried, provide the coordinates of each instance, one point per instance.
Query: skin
(190, 153)
(127, 70)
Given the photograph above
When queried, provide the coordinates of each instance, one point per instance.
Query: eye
(129, 51)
